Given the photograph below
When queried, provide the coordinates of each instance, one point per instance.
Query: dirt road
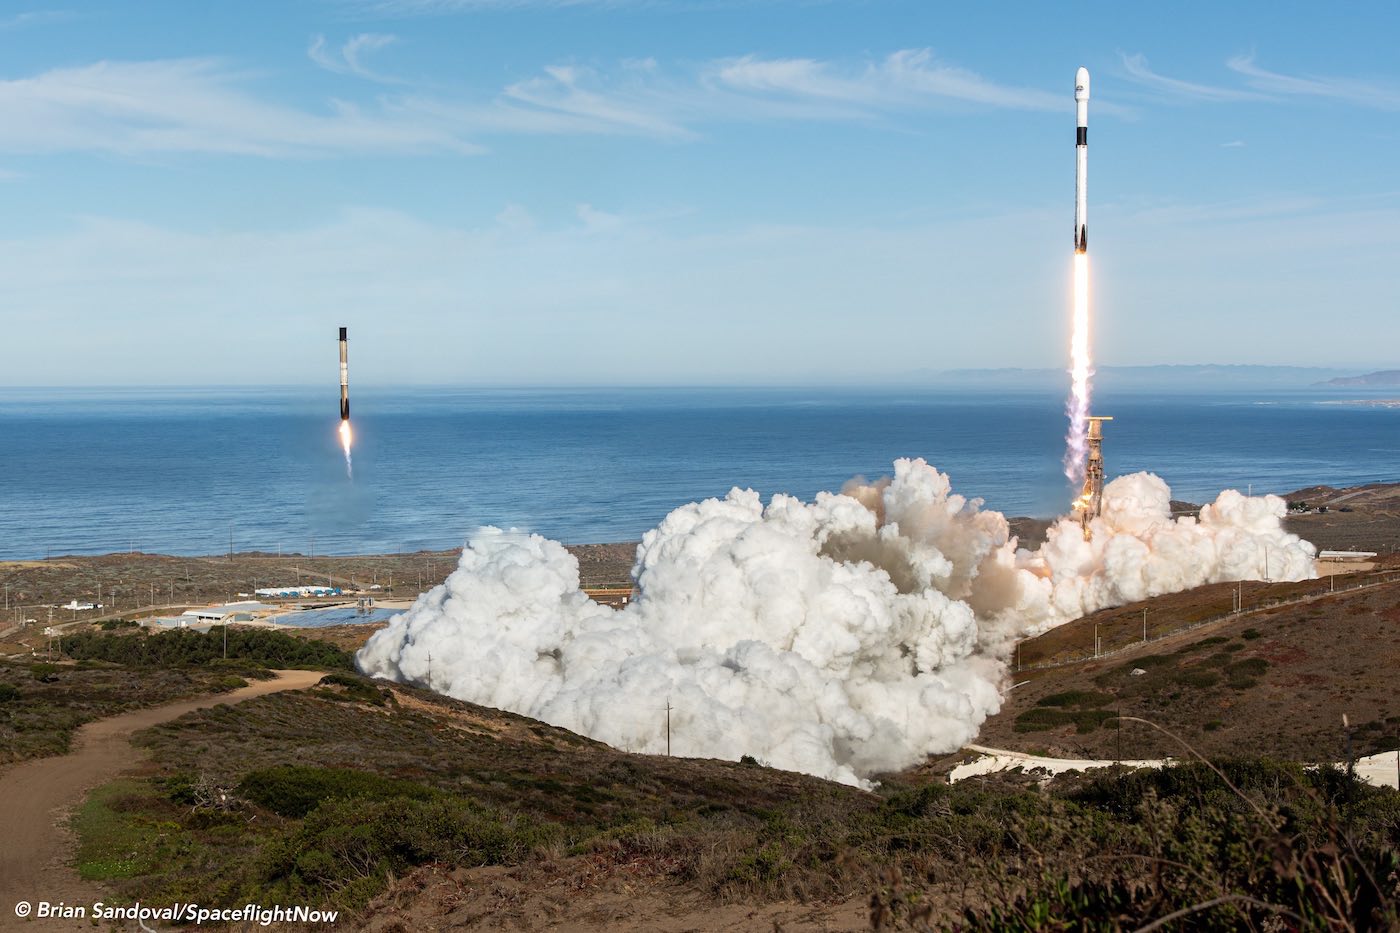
(34, 844)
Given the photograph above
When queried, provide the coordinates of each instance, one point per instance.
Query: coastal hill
(1384, 377)
(1197, 377)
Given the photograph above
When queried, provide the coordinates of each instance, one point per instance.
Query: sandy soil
(36, 796)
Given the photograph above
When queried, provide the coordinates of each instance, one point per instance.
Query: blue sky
(699, 191)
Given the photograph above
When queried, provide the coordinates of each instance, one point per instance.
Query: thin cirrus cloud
(34, 18)
(1263, 85)
(1137, 69)
(205, 105)
(195, 105)
(350, 57)
(907, 78)
(1381, 96)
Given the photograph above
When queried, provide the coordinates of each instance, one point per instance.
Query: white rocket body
(344, 378)
(1081, 161)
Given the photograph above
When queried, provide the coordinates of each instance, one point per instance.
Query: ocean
(180, 471)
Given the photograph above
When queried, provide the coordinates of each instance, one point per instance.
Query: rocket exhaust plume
(345, 404)
(846, 636)
(1081, 367)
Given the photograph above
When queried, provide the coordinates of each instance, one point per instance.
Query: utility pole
(225, 638)
(430, 670)
(230, 540)
(1144, 625)
(668, 727)
(1096, 639)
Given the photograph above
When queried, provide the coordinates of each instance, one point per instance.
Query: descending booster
(1081, 161)
(344, 379)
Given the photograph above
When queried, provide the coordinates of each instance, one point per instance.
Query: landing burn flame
(345, 438)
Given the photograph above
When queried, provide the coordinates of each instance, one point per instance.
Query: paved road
(35, 847)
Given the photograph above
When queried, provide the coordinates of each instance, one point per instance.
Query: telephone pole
(668, 727)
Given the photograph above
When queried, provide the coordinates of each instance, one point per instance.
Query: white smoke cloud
(844, 637)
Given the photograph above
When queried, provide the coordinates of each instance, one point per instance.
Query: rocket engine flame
(345, 438)
(1081, 371)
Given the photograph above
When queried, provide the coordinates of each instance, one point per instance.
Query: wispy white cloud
(1233, 144)
(349, 59)
(1379, 95)
(195, 105)
(1138, 70)
(205, 105)
(909, 77)
(578, 97)
(35, 18)
(1263, 85)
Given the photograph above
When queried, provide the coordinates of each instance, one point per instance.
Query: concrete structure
(294, 592)
(1346, 556)
(229, 612)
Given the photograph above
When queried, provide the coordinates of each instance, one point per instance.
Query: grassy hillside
(416, 811)
(1275, 682)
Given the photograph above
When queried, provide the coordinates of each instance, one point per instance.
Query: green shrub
(1080, 698)
(1203, 643)
(345, 850)
(8, 692)
(44, 672)
(1250, 634)
(1040, 718)
(296, 790)
(188, 648)
(1245, 674)
(357, 689)
(1249, 667)
(1197, 677)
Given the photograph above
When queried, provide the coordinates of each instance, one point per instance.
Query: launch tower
(1090, 501)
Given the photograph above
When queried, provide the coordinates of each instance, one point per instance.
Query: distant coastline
(1368, 402)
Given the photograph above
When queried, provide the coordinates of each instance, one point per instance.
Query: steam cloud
(844, 637)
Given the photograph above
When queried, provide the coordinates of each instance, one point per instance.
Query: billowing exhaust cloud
(842, 637)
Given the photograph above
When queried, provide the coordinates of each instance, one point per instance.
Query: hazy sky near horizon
(686, 191)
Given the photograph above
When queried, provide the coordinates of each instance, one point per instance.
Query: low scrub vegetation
(185, 648)
(365, 792)
(41, 703)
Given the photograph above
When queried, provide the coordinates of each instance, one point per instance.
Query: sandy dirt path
(35, 846)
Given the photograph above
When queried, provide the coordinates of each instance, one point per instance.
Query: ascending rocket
(344, 379)
(1081, 161)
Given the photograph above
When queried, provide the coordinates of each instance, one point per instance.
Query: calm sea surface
(175, 470)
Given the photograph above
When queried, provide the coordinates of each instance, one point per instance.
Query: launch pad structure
(1090, 501)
